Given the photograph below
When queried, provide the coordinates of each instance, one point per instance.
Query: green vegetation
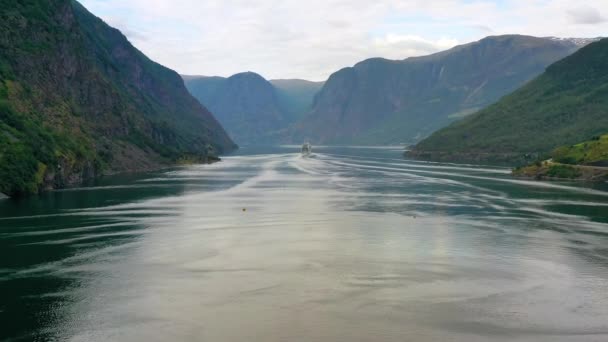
(554, 171)
(565, 105)
(592, 152)
(76, 99)
(26, 150)
(545, 170)
(563, 171)
(584, 161)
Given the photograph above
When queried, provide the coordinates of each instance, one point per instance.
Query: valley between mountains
(77, 100)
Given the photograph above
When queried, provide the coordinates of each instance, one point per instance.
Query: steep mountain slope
(245, 103)
(77, 99)
(296, 96)
(251, 108)
(564, 106)
(204, 88)
(381, 101)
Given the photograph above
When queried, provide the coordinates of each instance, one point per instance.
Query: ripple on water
(350, 245)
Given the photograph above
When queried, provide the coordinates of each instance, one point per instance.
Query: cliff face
(252, 109)
(567, 104)
(77, 99)
(246, 104)
(381, 101)
(296, 96)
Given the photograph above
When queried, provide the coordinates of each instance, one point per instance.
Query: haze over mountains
(381, 101)
(251, 108)
(77, 100)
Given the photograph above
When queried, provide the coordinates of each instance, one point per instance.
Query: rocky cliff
(253, 110)
(381, 101)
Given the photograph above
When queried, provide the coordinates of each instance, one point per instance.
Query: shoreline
(551, 171)
(502, 159)
(79, 179)
(545, 171)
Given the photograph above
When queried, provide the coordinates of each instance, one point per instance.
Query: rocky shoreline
(556, 171)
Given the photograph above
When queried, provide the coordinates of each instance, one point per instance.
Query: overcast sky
(310, 39)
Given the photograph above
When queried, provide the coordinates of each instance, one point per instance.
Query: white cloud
(396, 46)
(131, 33)
(312, 38)
(586, 15)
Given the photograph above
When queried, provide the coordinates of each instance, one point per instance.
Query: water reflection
(350, 245)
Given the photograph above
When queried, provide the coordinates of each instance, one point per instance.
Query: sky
(310, 39)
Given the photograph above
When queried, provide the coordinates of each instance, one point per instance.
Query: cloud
(483, 28)
(131, 33)
(397, 46)
(586, 15)
(313, 38)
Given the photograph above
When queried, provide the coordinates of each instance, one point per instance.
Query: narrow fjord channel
(349, 244)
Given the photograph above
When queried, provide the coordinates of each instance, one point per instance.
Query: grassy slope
(565, 105)
(592, 152)
(584, 161)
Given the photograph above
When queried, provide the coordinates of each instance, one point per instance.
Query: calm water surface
(352, 244)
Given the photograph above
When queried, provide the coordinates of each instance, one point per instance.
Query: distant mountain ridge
(251, 108)
(566, 105)
(380, 101)
(78, 100)
(577, 41)
(296, 96)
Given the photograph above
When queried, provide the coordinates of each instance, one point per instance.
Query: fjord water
(350, 244)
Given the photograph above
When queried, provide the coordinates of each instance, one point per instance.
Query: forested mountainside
(251, 108)
(566, 105)
(381, 101)
(77, 99)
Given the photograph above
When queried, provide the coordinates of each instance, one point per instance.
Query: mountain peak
(248, 75)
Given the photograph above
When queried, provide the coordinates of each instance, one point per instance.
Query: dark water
(350, 245)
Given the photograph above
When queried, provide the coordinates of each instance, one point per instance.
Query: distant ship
(306, 149)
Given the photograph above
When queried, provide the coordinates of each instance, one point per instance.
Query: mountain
(380, 101)
(565, 105)
(251, 108)
(245, 103)
(296, 96)
(78, 100)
